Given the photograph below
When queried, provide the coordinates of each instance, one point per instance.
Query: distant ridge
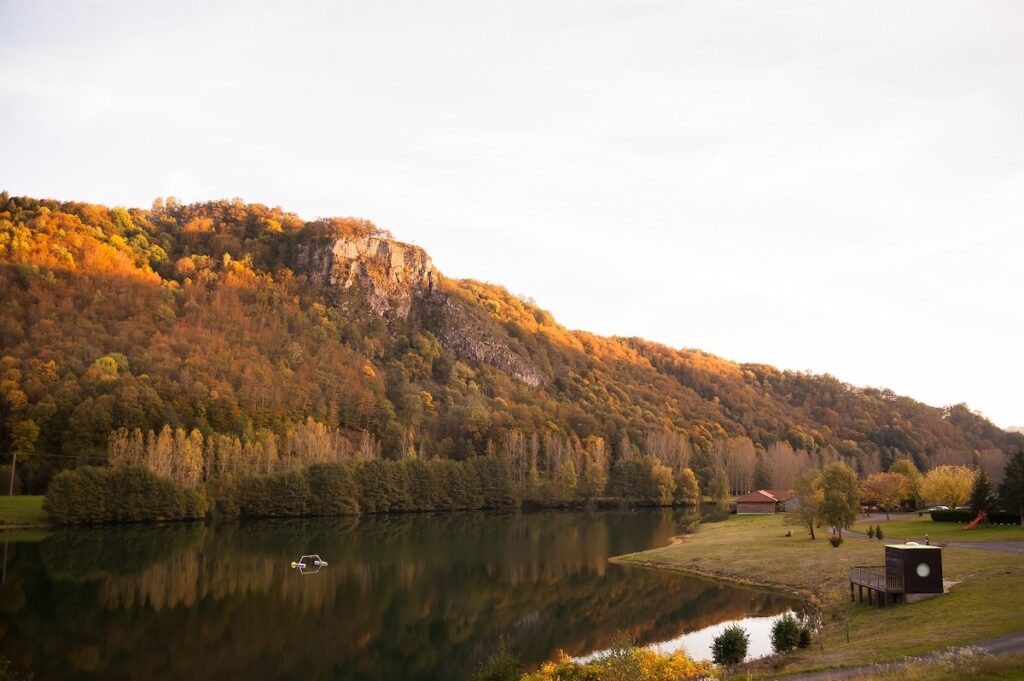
(243, 320)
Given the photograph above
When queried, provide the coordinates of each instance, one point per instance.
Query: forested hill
(248, 323)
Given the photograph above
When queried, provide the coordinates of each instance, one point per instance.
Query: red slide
(970, 525)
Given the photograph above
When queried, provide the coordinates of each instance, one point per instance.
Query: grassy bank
(986, 600)
(914, 528)
(953, 668)
(22, 511)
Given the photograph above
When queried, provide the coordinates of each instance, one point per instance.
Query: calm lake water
(419, 596)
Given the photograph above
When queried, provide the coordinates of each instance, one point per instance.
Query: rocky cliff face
(392, 274)
(466, 335)
(399, 279)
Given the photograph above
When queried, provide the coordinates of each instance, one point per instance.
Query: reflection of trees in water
(237, 559)
(417, 597)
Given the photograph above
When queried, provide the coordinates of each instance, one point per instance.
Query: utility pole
(14, 462)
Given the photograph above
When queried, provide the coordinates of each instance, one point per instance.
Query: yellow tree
(906, 467)
(950, 485)
(888, 490)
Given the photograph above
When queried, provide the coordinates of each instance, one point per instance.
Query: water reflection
(698, 644)
(404, 597)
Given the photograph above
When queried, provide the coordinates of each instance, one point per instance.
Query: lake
(416, 596)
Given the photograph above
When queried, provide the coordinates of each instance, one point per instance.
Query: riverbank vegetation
(984, 601)
(625, 661)
(128, 492)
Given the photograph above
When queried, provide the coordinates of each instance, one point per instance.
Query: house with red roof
(765, 501)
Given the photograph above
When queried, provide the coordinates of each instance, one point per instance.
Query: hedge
(966, 516)
(90, 495)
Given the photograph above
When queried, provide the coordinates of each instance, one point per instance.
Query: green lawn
(22, 510)
(914, 528)
(986, 601)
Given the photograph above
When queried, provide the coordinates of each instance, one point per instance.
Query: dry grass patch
(988, 601)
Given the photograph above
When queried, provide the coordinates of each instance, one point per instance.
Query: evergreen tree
(730, 647)
(762, 473)
(981, 494)
(1011, 491)
(718, 489)
(785, 634)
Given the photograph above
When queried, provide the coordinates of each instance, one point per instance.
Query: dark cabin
(920, 567)
(909, 569)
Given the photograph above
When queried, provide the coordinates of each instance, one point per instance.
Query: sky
(822, 185)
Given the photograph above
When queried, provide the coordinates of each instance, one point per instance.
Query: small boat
(308, 562)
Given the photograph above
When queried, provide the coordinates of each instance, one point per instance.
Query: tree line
(834, 496)
(315, 470)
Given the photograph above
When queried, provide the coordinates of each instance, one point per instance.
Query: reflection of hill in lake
(405, 597)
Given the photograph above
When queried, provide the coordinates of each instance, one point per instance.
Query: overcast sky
(833, 186)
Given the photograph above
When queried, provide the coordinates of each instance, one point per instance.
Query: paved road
(1004, 645)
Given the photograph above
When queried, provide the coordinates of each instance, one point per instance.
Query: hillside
(279, 336)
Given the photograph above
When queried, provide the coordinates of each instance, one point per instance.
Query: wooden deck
(883, 589)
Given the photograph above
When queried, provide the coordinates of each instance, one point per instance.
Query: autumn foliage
(187, 339)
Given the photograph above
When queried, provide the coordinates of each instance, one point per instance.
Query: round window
(923, 570)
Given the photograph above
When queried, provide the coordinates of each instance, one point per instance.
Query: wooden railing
(875, 577)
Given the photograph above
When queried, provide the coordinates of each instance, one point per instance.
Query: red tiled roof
(766, 496)
(760, 495)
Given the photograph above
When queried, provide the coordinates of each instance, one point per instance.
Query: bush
(785, 634)
(871, 531)
(952, 516)
(805, 638)
(835, 540)
(730, 647)
(109, 495)
(501, 666)
(1003, 518)
(624, 662)
(878, 533)
(965, 516)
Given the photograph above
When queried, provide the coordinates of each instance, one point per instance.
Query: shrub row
(118, 495)
(100, 495)
(372, 487)
(966, 516)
